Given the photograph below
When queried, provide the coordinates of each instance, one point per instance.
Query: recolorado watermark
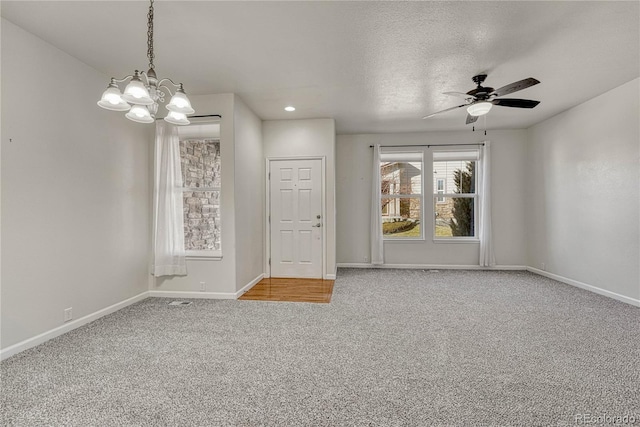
(606, 419)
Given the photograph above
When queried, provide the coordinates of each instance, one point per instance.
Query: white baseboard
(207, 295)
(249, 285)
(192, 294)
(585, 286)
(331, 276)
(432, 266)
(69, 326)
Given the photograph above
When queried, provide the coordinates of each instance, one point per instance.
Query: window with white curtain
(401, 195)
(455, 194)
(200, 163)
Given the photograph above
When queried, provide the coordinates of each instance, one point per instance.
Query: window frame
(409, 157)
(475, 195)
(215, 254)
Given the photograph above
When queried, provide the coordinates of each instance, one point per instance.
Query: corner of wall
(250, 188)
(582, 164)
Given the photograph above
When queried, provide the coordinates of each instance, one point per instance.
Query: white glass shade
(479, 108)
(137, 93)
(140, 114)
(180, 103)
(112, 100)
(176, 118)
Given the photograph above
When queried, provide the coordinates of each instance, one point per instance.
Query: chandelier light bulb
(136, 92)
(479, 108)
(112, 99)
(140, 114)
(180, 103)
(176, 118)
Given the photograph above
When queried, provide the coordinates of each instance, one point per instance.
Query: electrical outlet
(203, 286)
(68, 314)
(366, 259)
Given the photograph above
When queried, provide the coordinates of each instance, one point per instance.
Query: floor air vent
(180, 303)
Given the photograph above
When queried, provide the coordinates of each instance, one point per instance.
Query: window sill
(204, 255)
(404, 240)
(456, 240)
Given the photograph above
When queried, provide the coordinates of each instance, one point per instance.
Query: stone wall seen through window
(200, 164)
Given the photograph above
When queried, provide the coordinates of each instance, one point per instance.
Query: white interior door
(295, 195)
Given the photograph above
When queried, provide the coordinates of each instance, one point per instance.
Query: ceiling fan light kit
(480, 100)
(144, 92)
(479, 108)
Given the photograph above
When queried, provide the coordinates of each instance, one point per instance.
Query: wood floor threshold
(291, 290)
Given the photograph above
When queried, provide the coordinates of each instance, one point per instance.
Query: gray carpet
(394, 348)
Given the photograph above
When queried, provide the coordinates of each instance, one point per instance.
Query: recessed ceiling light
(289, 108)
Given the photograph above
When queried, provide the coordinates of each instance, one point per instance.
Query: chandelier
(144, 92)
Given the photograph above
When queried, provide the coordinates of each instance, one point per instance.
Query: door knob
(317, 225)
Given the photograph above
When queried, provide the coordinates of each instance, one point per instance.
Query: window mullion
(462, 195)
(200, 188)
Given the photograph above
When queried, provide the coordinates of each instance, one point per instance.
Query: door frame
(267, 215)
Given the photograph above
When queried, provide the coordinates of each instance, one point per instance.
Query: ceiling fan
(480, 100)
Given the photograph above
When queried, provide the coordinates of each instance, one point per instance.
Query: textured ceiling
(373, 66)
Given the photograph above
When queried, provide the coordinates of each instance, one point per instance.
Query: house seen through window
(401, 195)
(455, 194)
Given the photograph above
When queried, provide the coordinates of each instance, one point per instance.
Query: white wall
(249, 198)
(219, 275)
(315, 137)
(583, 192)
(75, 191)
(353, 182)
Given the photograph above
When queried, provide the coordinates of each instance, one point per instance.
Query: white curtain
(168, 224)
(377, 247)
(487, 258)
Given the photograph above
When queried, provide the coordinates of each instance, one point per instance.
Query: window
(200, 164)
(455, 194)
(401, 195)
(440, 189)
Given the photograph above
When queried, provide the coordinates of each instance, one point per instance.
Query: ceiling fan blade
(515, 86)
(518, 103)
(471, 119)
(459, 94)
(443, 111)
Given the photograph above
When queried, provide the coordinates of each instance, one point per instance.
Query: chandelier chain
(150, 54)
